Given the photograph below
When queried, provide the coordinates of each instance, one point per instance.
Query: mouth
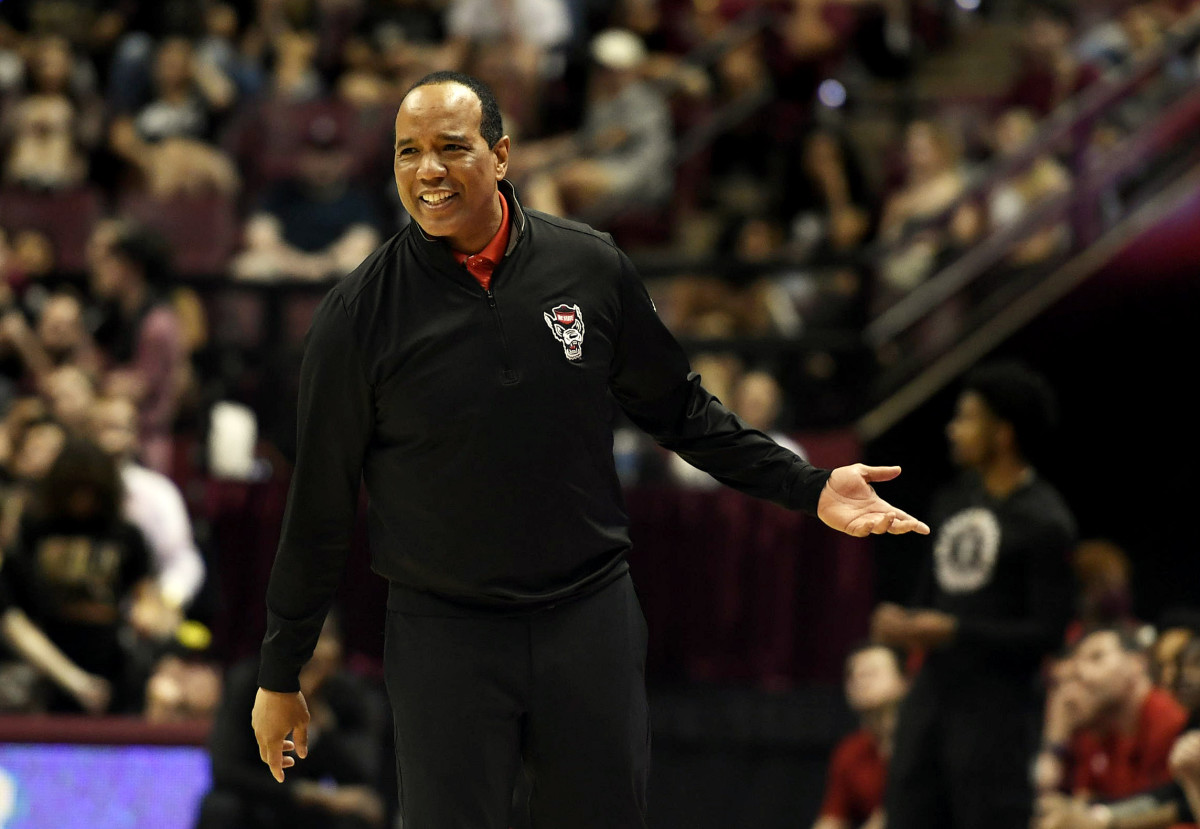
(436, 201)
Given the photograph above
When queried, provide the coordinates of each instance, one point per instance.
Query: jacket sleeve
(653, 383)
(335, 417)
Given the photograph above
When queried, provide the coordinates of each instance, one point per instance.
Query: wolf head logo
(566, 323)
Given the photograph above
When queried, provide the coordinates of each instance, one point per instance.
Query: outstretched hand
(850, 504)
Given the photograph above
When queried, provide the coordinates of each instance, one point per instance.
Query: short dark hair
(491, 125)
(1127, 637)
(1058, 10)
(146, 249)
(80, 465)
(1021, 397)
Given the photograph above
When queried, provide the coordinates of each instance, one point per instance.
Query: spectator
(875, 684)
(827, 198)
(1014, 198)
(935, 180)
(73, 568)
(316, 225)
(758, 399)
(152, 503)
(71, 394)
(334, 787)
(1105, 598)
(516, 49)
(1049, 73)
(141, 336)
(1156, 808)
(166, 140)
(44, 154)
(34, 440)
(1118, 741)
(622, 156)
(55, 71)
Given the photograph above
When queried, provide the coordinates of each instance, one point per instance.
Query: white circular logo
(965, 551)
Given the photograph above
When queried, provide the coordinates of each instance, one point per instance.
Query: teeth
(435, 198)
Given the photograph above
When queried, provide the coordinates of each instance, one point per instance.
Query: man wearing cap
(994, 600)
(469, 371)
(623, 153)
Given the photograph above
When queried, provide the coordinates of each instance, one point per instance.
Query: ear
(501, 153)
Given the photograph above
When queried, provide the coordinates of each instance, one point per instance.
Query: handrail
(1113, 86)
(917, 303)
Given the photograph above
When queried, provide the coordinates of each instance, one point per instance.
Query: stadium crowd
(149, 146)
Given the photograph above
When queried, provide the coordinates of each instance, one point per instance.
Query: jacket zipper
(507, 374)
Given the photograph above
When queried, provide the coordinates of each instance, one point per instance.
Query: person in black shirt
(995, 599)
(469, 370)
(66, 581)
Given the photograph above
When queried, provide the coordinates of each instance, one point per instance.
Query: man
(995, 599)
(316, 224)
(1122, 742)
(153, 504)
(1151, 756)
(875, 684)
(142, 337)
(465, 371)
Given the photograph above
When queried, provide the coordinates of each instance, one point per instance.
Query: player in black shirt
(994, 601)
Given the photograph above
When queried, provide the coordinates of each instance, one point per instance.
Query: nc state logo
(566, 323)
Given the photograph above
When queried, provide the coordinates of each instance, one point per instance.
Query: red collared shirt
(481, 264)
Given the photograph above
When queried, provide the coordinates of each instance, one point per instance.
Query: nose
(430, 167)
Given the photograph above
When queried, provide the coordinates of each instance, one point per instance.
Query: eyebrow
(451, 137)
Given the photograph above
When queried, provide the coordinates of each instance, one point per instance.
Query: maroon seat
(66, 218)
(203, 230)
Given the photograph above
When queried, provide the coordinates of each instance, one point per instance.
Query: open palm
(850, 504)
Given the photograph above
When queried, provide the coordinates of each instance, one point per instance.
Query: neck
(1131, 711)
(880, 723)
(1004, 475)
(479, 241)
(132, 300)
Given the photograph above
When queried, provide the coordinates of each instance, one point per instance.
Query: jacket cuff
(805, 486)
(276, 676)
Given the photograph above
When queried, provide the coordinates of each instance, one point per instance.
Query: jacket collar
(516, 219)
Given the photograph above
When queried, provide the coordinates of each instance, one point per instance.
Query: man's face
(114, 427)
(873, 679)
(445, 172)
(1105, 668)
(60, 327)
(972, 432)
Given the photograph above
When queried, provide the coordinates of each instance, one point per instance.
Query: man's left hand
(850, 504)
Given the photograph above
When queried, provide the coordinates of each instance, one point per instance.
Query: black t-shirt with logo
(71, 578)
(1001, 567)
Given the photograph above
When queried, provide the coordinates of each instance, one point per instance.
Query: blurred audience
(1109, 730)
(875, 684)
(335, 786)
(68, 580)
(935, 178)
(141, 336)
(315, 225)
(621, 156)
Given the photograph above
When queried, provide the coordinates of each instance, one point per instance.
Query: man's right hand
(277, 714)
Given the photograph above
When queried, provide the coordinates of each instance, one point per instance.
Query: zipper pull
(491, 298)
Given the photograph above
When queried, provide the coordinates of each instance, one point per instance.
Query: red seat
(203, 230)
(66, 218)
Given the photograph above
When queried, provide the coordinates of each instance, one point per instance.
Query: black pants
(963, 756)
(561, 690)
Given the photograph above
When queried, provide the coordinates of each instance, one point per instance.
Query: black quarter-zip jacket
(481, 423)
